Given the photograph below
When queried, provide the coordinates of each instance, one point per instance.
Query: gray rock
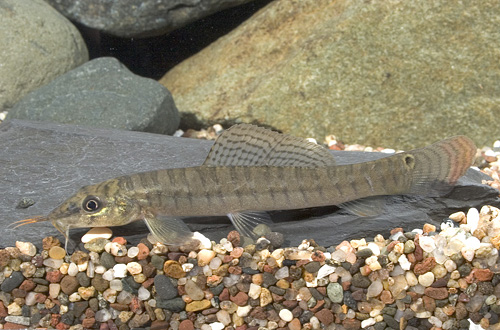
(38, 44)
(401, 74)
(102, 93)
(49, 162)
(164, 287)
(12, 282)
(335, 292)
(174, 305)
(139, 18)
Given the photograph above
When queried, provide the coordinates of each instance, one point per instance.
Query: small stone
(69, 284)
(72, 269)
(26, 248)
(57, 252)
(240, 299)
(193, 290)
(116, 249)
(13, 281)
(427, 243)
(54, 289)
(186, 325)
(133, 252)
(86, 293)
(120, 270)
(424, 266)
(223, 317)
(196, 306)
(173, 269)
(143, 251)
(325, 316)
(164, 287)
(426, 279)
(97, 232)
(374, 289)
(335, 292)
(102, 315)
(134, 268)
(295, 324)
(286, 315)
(53, 263)
(49, 242)
(205, 256)
(143, 293)
(436, 293)
(265, 297)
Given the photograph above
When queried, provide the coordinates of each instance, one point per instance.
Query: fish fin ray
(250, 145)
(366, 207)
(438, 166)
(245, 222)
(168, 230)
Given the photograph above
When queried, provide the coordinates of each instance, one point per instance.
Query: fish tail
(437, 168)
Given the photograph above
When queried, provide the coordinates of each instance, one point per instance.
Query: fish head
(94, 206)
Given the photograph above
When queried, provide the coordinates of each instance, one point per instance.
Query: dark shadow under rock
(45, 163)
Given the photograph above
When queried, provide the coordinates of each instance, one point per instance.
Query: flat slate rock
(44, 163)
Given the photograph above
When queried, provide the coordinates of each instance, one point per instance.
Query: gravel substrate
(429, 278)
(426, 278)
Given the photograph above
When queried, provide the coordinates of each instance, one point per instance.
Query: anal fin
(366, 207)
(169, 230)
(245, 222)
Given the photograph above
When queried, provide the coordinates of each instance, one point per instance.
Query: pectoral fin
(168, 230)
(366, 207)
(245, 222)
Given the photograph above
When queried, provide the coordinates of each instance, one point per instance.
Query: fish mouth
(27, 221)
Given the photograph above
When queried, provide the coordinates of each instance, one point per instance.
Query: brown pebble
(147, 283)
(318, 307)
(351, 324)
(4, 258)
(143, 251)
(3, 310)
(224, 295)
(325, 316)
(54, 276)
(386, 297)
(460, 311)
(396, 230)
(428, 228)
(290, 304)
(159, 325)
(240, 298)
(429, 303)
(418, 252)
(424, 266)
(40, 298)
(119, 307)
(69, 284)
(9, 325)
(88, 323)
(79, 257)
(173, 269)
(318, 256)
(49, 242)
(294, 324)
(27, 285)
(482, 275)
(18, 293)
(234, 238)
(123, 259)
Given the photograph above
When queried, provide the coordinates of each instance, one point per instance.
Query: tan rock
(317, 67)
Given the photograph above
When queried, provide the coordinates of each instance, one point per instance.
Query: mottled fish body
(251, 170)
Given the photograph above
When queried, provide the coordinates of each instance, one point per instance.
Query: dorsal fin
(250, 145)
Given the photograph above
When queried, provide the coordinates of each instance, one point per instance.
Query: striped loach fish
(251, 170)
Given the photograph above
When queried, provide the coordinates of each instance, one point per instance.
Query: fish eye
(92, 204)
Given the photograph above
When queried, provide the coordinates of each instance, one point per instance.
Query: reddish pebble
(319, 306)
(436, 293)
(143, 251)
(136, 305)
(160, 325)
(186, 325)
(240, 299)
(147, 283)
(391, 245)
(482, 274)
(237, 252)
(88, 323)
(104, 326)
(424, 266)
(227, 259)
(351, 324)
(62, 326)
(27, 285)
(268, 269)
(234, 238)
(3, 310)
(54, 276)
(40, 298)
(318, 256)
(325, 316)
(55, 319)
(120, 240)
(9, 325)
(224, 295)
(235, 270)
(428, 228)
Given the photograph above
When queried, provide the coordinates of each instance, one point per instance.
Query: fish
(251, 170)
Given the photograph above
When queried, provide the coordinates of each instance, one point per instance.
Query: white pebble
(26, 248)
(286, 315)
(375, 248)
(133, 252)
(473, 242)
(205, 243)
(97, 232)
(254, 291)
(472, 219)
(117, 249)
(216, 326)
(215, 263)
(411, 278)
(450, 265)
(72, 269)
(324, 271)
(120, 270)
(134, 268)
(243, 311)
(426, 279)
(53, 263)
(187, 267)
(102, 315)
(108, 275)
(143, 293)
(368, 322)
(74, 297)
(467, 253)
(427, 243)
(403, 262)
(100, 269)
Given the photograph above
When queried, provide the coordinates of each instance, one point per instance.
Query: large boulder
(37, 45)
(102, 93)
(139, 18)
(391, 73)
(44, 163)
